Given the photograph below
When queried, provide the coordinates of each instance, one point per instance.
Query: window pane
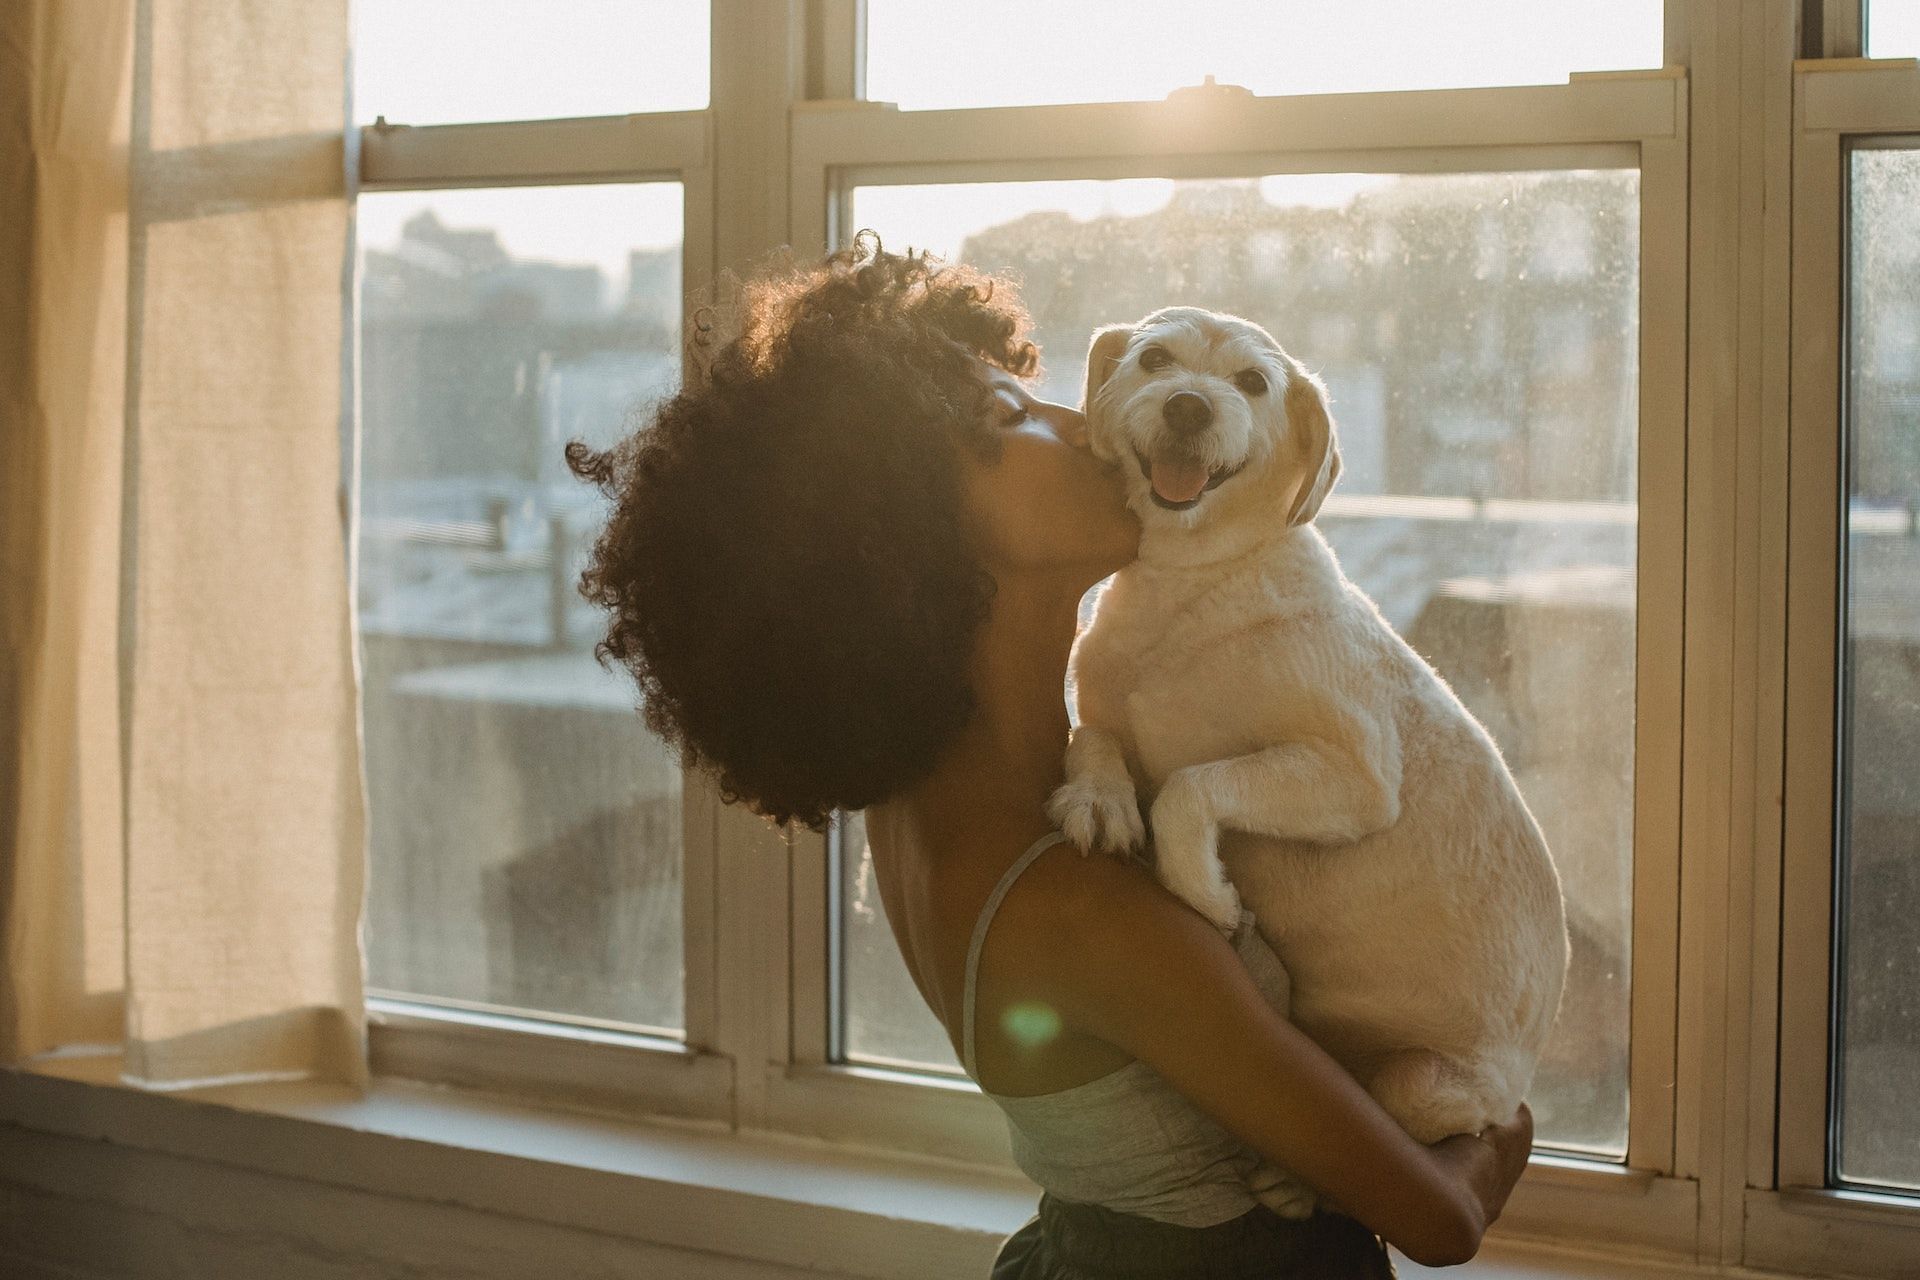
(885, 1021)
(1893, 28)
(1878, 910)
(1479, 336)
(1123, 50)
(525, 827)
(445, 61)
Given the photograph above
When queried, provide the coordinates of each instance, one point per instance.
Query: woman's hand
(1489, 1163)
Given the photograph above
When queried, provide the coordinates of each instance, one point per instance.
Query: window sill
(763, 1199)
(682, 1185)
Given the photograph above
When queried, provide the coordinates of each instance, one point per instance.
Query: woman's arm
(1124, 960)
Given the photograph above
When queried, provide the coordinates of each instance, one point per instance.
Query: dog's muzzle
(1169, 476)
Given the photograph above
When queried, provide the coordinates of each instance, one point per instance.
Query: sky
(441, 61)
(1893, 28)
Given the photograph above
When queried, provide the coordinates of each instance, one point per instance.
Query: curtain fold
(182, 825)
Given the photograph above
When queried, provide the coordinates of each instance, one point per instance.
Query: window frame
(554, 1061)
(1611, 120)
(1794, 1221)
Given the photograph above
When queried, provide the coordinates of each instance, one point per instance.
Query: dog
(1296, 753)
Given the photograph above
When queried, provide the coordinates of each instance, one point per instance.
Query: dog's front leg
(1096, 806)
(1337, 787)
(1299, 791)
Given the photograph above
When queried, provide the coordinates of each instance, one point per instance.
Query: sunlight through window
(1124, 50)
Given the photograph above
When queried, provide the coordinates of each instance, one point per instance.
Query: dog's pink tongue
(1178, 481)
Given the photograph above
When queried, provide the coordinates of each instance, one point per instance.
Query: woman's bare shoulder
(1099, 930)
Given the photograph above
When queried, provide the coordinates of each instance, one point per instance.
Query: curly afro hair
(790, 575)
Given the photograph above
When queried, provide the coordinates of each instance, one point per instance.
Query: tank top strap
(987, 911)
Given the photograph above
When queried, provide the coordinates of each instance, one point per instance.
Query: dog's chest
(1194, 714)
(1182, 683)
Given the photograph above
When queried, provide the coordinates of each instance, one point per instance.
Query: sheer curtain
(181, 815)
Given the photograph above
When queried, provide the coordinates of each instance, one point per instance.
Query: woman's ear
(1109, 344)
(1312, 425)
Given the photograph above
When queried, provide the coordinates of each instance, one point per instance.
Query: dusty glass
(1479, 336)
(1877, 912)
(1010, 52)
(884, 1021)
(525, 826)
(446, 61)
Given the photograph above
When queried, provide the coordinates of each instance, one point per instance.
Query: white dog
(1293, 747)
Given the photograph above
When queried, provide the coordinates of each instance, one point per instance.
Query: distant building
(1479, 333)
(653, 287)
(474, 363)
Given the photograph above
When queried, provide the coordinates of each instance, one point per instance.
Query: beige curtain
(181, 816)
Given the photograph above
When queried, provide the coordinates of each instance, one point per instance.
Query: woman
(844, 569)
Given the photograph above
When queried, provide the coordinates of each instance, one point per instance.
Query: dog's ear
(1108, 345)
(1312, 425)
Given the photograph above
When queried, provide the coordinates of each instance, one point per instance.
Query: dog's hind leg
(1434, 1096)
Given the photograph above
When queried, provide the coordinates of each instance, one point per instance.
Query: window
(1490, 513)
(525, 827)
(1557, 312)
(522, 284)
(451, 61)
(1849, 1026)
(1489, 291)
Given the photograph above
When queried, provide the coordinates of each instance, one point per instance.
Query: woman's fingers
(1512, 1143)
(1514, 1139)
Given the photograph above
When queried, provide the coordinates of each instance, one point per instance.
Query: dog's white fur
(1294, 748)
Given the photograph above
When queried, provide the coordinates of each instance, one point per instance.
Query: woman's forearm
(1319, 1123)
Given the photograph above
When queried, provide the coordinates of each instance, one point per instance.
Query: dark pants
(1069, 1241)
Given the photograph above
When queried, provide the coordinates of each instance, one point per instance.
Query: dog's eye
(1251, 381)
(1155, 358)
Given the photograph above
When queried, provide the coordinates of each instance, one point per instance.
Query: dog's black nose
(1188, 411)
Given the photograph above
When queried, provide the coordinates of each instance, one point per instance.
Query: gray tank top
(1127, 1141)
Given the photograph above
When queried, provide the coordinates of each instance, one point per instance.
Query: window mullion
(1658, 652)
(758, 57)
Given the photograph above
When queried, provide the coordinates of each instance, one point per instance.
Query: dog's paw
(1219, 903)
(1098, 818)
(1281, 1192)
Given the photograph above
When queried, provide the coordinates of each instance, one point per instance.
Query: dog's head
(1203, 411)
